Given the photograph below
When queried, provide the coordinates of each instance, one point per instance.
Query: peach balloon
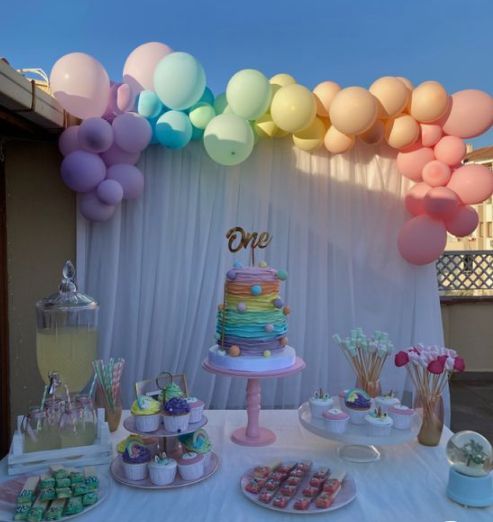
(401, 131)
(413, 200)
(430, 134)
(471, 114)
(353, 110)
(429, 102)
(312, 137)
(375, 134)
(337, 142)
(451, 150)
(422, 240)
(436, 173)
(441, 202)
(411, 163)
(406, 82)
(324, 93)
(472, 183)
(463, 222)
(392, 94)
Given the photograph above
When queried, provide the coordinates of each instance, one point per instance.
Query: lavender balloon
(132, 132)
(82, 171)
(114, 156)
(130, 178)
(110, 192)
(69, 140)
(95, 135)
(93, 209)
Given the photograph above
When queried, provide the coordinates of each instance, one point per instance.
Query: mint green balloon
(220, 103)
(201, 114)
(228, 139)
(249, 94)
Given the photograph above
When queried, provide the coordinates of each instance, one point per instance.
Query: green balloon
(220, 103)
(249, 94)
(201, 114)
(228, 139)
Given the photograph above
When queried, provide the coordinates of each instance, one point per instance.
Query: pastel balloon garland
(164, 99)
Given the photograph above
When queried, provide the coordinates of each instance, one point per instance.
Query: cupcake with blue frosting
(358, 404)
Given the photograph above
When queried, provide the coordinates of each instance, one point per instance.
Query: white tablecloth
(406, 485)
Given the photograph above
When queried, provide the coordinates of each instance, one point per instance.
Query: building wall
(40, 237)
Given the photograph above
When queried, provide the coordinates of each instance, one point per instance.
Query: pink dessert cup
(336, 420)
(191, 465)
(402, 417)
(196, 409)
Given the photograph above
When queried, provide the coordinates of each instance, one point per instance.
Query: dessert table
(407, 484)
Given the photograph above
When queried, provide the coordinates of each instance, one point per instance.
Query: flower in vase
(437, 366)
(459, 364)
(401, 359)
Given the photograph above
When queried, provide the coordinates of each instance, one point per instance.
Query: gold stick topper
(238, 238)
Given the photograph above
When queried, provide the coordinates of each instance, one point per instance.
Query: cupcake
(191, 465)
(196, 409)
(402, 416)
(135, 459)
(386, 401)
(320, 402)
(198, 442)
(151, 443)
(336, 420)
(176, 415)
(342, 395)
(170, 391)
(379, 423)
(147, 413)
(358, 404)
(162, 470)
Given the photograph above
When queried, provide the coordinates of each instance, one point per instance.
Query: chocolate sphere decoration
(278, 302)
(263, 264)
(283, 341)
(237, 264)
(241, 307)
(234, 350)
(269, 327)
(256, 289)
(282, 275)
(267, 353)
(231, 275)
(286, 310)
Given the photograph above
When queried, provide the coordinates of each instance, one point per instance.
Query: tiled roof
(482, 154)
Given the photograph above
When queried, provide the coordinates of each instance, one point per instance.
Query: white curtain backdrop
(157, 268)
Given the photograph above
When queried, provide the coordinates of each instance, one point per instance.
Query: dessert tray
(129, 425)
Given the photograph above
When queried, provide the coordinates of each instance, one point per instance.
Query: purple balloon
(93, 209)
(132, 132)
(110, 192)
(69, 140)
(82, 171)
(95, 135)
(114, 156)
(130, 178)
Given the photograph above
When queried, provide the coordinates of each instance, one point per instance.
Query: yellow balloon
(392, 94)
(266, 128)
(293, 108)
(312, 137)
(324, 93)
(337, 142)
(353, 110)
(429, 102)
(282, 79)
(375, 134)
(402, 131)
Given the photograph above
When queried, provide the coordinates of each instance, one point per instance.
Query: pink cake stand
(253, 434)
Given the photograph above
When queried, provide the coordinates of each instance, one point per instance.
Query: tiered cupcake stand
(167, 442)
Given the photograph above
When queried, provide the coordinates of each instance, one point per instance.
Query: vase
(432, 423)
(112, 412)
(372, 388)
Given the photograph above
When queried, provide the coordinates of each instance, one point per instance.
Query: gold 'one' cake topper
(239, 238)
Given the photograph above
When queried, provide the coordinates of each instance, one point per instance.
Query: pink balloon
(412, 161)
(81, 85)
(441, 202)
(110, 192)
(472, 183)
(463, 222)
(451, 150)
(124, 97)
(430, 134)
(114, 155)
(132, 132)
(95, 135)
(422, 240)
(471, 114)
(69, 140)
(130, 178)
(436, 173)
(413, 200)
(82, 171)
(93, 209)
(138, 70)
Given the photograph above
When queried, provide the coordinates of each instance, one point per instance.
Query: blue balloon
(149, 105)
(197, 133)
(207, 97)
(173, 129)
(179, 80)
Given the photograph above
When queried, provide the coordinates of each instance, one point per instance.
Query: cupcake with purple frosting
(358, 404)
(176, 415)
(135, 459)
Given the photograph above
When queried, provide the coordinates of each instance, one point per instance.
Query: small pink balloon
(124, 97)
(93, 209)
(463, 222)
(114, 155)
(422, 240)
(470, 115)
(413, 200)
(472, 183)
(441, 202)
(82, 171)
(451, 150)
(69, 140)
(436, 173)
(130, 178)
(110, 192)
(132, 132)
(412, 161)
(430, 134)
(95, 135)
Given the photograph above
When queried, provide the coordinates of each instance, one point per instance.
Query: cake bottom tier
(253, 363)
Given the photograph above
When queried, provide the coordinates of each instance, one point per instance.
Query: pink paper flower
(459, 364)
(437, 366)
(401, 359)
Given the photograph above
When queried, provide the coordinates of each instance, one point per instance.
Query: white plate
(129, 425)
(11, 488)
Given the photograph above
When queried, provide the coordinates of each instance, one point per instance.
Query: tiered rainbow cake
(252, 322)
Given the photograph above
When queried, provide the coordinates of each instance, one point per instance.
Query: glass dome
(470, 453)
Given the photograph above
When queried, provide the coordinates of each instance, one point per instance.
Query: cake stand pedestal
(253, 434)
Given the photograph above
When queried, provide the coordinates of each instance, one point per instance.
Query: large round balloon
(471, 114)
(69, 140)
(436, 173)
(337, 142)
(324, 94)
(421, 240)
(441, 202)
(173, 129)
(353, 110)
(463, 222)
(130, 178)
(248, 93)
(179, 80)
(110, 192)
(472, 183)
(114, 155)
(392, 94)
(149, 105)
(411, 162)
(138, 70)
(95, 135)
(311, 137)
(401, 131)
(81, 85)
(451, 150)
(132, 132)
(93, 209)
(414, 199)
(429, 102)
(82, 171)
(228, 139)
(265, 127)
(201, 114)
(293, 107)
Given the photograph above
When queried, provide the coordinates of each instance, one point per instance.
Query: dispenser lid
(67, 296)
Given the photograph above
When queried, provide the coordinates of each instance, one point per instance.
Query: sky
(352, 42)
